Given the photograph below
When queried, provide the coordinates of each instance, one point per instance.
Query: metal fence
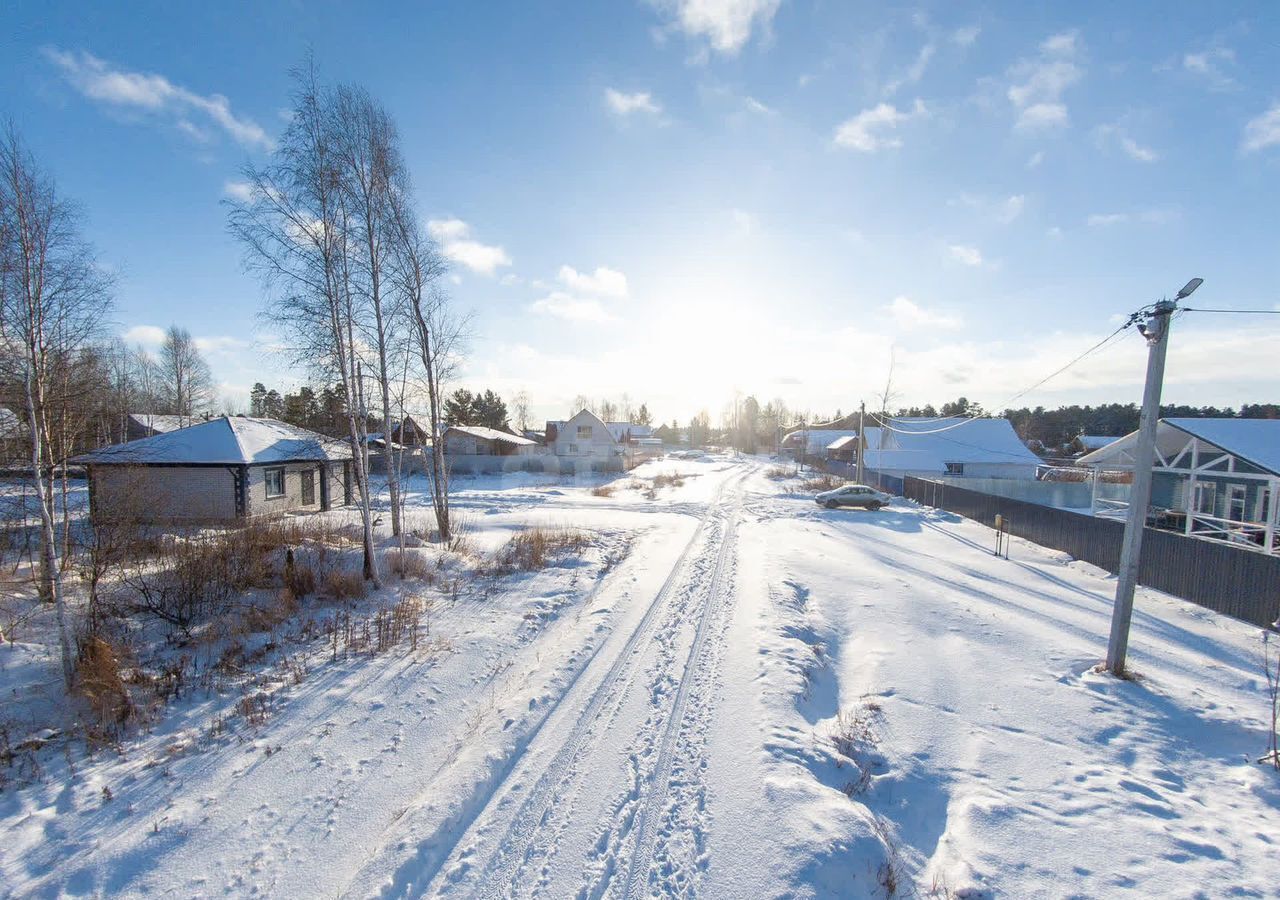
(1216, 575)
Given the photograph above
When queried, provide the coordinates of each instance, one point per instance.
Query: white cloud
(238, 190)
(726, 25)
(965, 254)
(1137, 151)
(910, 315)
(1036, 159)
(574, 309)
(1037, 85)
(914, 72)
(156, 95)
(1208, 65)
(220, 344)
(457, 245)
(1263, 131)
(965, 37)
(148, 335)
(624, 105)
(756, 106)
(866, 131)
(1010, 209)
(604, 282)
(1143, 217)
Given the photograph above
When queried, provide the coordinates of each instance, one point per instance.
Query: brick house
(222, 470)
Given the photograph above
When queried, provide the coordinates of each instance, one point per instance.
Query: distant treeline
(1056, 429)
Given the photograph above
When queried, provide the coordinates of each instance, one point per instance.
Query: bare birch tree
(298, 237)
(52, 300)
(436, 334)
(186, 379)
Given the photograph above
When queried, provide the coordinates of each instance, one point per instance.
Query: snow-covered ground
(729, 693)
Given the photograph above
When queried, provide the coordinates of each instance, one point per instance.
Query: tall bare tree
(436, 335)
(370, 164)
(186, 381)
(520, 414)
(299, 236)
(52, 300)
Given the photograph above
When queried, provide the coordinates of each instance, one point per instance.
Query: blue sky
(686, 198)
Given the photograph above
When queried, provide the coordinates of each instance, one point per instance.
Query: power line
(1252, 312)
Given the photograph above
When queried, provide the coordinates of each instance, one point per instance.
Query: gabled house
(948, 447)
(222, 470)
(476, 440)
(586, 439)
(1210, 477)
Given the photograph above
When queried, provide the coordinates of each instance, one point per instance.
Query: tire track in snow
(497, 875)
(647, 823)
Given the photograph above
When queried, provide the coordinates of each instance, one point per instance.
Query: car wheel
(831, 504)
(874, 505)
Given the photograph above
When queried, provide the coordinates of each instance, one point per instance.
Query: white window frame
(1206, 490)
(266, 480)
(584, 432)
(1237, 497)
(1260, 509)
(573, 448)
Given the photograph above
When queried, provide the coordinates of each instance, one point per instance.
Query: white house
(585, 437)
(477, 440)
(955, 447)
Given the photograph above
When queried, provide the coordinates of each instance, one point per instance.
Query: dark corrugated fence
(1214, 574)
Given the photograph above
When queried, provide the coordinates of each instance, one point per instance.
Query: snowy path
(611, 778)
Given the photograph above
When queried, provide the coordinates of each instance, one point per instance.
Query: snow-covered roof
(10, 425)
(161, 424)
(619, 430)
(229, 440)
(842, 441)
(1256, 441)
(934, 442)
(1095, 441)
(491, 434)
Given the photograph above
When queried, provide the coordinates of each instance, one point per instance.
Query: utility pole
(1156, 331)
(862, 441)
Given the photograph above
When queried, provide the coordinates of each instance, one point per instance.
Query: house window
(584, 432)
(308, 488)
(955, 468)
(573, 448)
(1263, 508)
(1206, 498)
(275, 482)
(1235, 502)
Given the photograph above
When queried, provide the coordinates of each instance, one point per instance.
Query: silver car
(853, 495)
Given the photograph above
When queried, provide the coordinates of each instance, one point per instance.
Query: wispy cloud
(457, 245)
(147, 335)
(1142, 217)
(911, 315)
(872, 129)
(623, 104)
(725, 25)
(1262, 131)
(238, 190)
(965, 37)
(562, 305)
(1037, 85)
(914, 72)
(965, 254)
(603, 282)
(157, 97)
(1115, 134)
(1209, 65)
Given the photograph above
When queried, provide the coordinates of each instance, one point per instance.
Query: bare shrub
(822, 483)
(534, 548)
(300, 580)
(99, 682)
(267, 615)
(778, 473)
(667, 479)
(460, 528)
(195, 582)
(343, 584)
(854, 738)
(603, 490)
(409, 564)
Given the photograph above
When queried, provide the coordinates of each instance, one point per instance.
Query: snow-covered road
(733, 693)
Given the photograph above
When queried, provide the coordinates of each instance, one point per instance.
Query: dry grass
(822, 483)
(534, 548)
(778, 473)
(603, 490)
(99, 682)
(409, 564)
(854, 737)
(344, 584)
(667, 479)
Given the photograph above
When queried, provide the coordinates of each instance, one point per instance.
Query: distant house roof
(1256, 441)
(932, 443)
(1092, 442)
(492, 434)
(161, 424)
(619, 430)
(10, 425)
(229, 440)
(840, 442)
